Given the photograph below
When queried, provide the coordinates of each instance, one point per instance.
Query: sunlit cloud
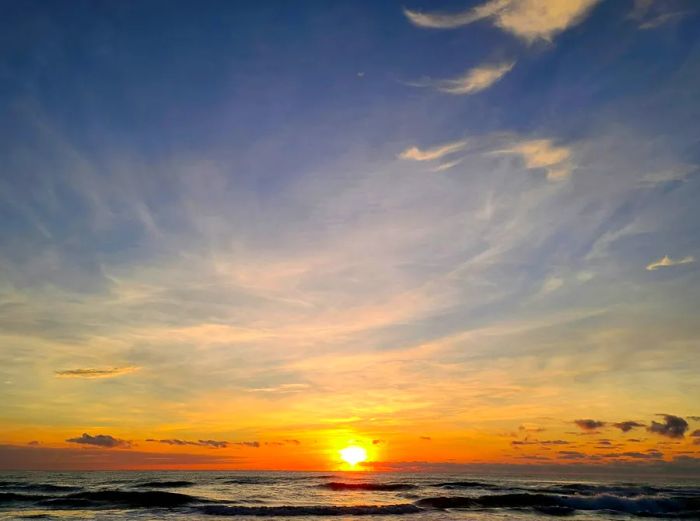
(89, 373)
(430, 154)
(473, 81)
(526, 19)
(668, 262)
(545, 154)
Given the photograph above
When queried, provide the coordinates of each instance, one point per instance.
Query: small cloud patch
(100, 440)
(627, 426)
(589, 425)
(672, 426)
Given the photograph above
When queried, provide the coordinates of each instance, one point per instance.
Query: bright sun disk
(353, 455)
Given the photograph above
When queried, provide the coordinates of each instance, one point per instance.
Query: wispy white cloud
(677, 173)
(527, 19)
(650, 14)
(429, 154)
(551, 284)
(446, 166)
(473, 81)
(667, 262)
(543, 153)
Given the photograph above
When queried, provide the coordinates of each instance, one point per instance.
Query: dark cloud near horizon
(696, 435)
(651, 454)
(672, 426)
(627, 426)
(253, 444)
(214, 443)
(543, 442)
(100, 440)
(199, 443)
(694, 418)
(571, 454)
(589, 425)
(426, 438)
(90, 458)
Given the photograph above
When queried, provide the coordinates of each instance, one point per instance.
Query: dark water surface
(299, 495)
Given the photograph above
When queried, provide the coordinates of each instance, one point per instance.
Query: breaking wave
(314, 510)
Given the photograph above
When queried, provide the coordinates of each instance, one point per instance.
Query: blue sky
(453, 217)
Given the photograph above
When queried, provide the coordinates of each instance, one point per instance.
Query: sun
(353, 455)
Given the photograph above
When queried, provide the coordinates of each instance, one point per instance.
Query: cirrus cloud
(472, 81)
(416, 154)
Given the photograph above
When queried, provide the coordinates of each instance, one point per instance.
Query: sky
(245, 235)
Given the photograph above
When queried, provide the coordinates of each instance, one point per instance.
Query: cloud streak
(92, 373)
(215, 444)
(473, 81)
(668, 262)
(429, 154)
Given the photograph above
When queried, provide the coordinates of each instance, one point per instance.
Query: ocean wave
(337, 485)
(164, 484)
(13, 497)
(557, 504)
(36, 487)
(120, 498)
(586, 489)
(312, 510)
(252, 481)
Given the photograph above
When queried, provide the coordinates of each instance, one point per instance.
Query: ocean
(314, 495)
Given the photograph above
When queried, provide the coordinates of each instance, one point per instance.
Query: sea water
(201, 495)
